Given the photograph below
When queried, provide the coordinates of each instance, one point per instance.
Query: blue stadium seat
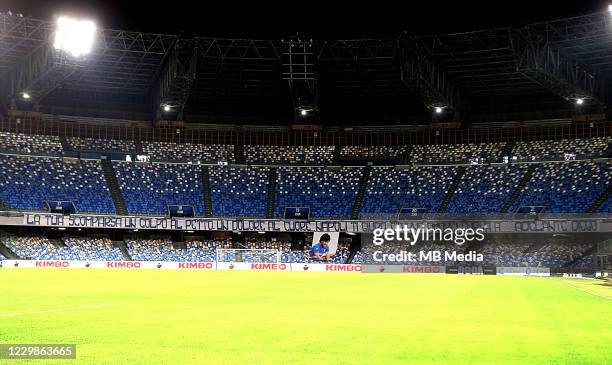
(95, 144)
(307, 155)
(188, 152)
(390, 189)
(30, 143)
(565, 187)
(239, 191)
(548, 149)
(453, 153)
(372, 152)
(40, 248)
(164, 250)
(329, 192)
(148, 188)
(26, 182)
(485, 189)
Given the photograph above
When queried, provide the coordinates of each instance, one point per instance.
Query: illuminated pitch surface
(164, 317)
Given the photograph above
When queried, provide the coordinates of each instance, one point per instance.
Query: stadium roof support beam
(177, 78)
(298, 62)
(421, 72)
(538, 59)
(39, 74)
(239, 49)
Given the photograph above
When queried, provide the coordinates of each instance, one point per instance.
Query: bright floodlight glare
(438, 110)
(25, 95)
(166, 108)
(74, 36)
(580, 101)
(610, 8)
(303, 112)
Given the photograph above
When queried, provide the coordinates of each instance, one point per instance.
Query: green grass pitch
(223, 317)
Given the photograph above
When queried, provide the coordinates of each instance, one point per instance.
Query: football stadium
(301, 197)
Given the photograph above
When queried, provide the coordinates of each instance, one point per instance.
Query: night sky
(330, 20)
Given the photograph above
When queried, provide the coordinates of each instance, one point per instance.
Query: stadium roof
(538, 67)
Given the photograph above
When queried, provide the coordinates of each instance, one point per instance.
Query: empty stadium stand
(392, 188)
(27, 182)
(553, 150)
(306, 155)
(148, 188)
(501, 253)
(239, 191)
(101, 145)
(485, 189)
(41, 248)
(457, 153)
(188, 152)
(565, 187)
(329, 192)
(102, 186)
(369, 153)
(30, 143)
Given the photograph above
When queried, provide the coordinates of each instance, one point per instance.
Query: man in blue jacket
(320, 251)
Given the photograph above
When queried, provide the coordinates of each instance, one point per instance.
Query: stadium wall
(173, 265)
(254, 266)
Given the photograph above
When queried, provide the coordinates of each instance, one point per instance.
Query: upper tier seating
(453, 153)
(329, 192)
(27, 182)
(307, 155)
(91, 249)
(390, 189)
(95, 144)
(540, 150)
(239, 191)
(565, 187)
(169, 151)
(148, 188)
(366, 254)
(373, 152)
(30, 143)
(485, 189)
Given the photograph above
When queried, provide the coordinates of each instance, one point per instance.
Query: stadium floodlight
(579, 101)
(303, 112)
(167, 108)
(25, 95)
(74, 36)
(438, 109)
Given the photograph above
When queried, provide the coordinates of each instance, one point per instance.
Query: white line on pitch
(588, 292)
(56, 310)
